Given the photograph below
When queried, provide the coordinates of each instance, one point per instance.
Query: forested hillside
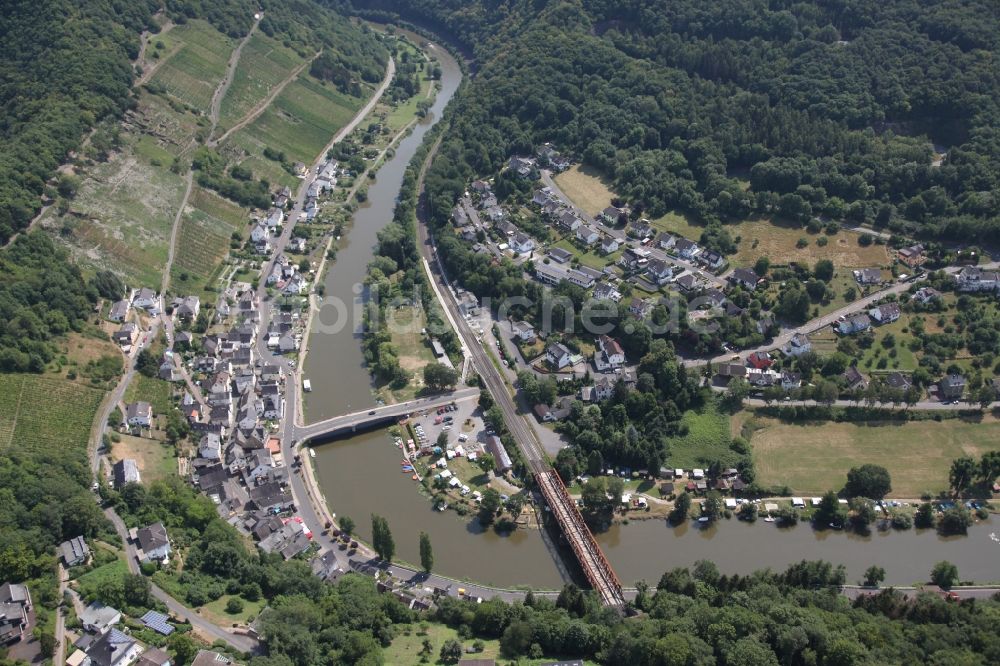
(840, 109)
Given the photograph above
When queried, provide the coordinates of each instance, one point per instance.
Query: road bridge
(367, 419)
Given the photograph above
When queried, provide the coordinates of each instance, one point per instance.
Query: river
(335, 364)
(360, 476)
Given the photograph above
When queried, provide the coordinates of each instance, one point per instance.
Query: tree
(924, 516)
(46, 641)
(829, 511)
(234, 605)
(944, 574)
(426, 553)
(439, 377)
(871, 481)
(147, 364)
(382, 540)
(711, 508)
(963, 471)
(486, 462)
(183, 647)
(862, 512)
(442, 440)
(955, 520)
(989, 467)
(451, 651)
(346, 525)
(135, 588)
(681, 507)
(874, 576)
(823, 270)
(489, 506)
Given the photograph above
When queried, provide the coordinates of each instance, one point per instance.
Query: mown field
(152, 390)
(812, 459)
(46, 415)
(154, 459)
(264, 63)
(708, 438)
(778, 241)
(198, 63)
(586, 188)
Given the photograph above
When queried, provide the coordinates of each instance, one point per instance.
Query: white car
(446, 428)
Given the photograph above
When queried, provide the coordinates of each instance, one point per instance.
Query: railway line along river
(360, 475)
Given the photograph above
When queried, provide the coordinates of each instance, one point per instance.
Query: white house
(665, 241)
(259, 233)
(524, 331)
(557, 355)
(659, 271)
(139, 414)
(145, 299)
(153, 543)
(587, 234)
(885, 313)
(868, 276)
(609, 354)
(798, 345)
(609, 244)
(854, 324)
(686, 248)
(522, 243)
(973, 278)
(275, 217)
(210, 447)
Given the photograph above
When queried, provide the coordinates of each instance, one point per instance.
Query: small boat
(703, 519)
(769, 519)
(307, 385)
(312, 453)
(415, 477)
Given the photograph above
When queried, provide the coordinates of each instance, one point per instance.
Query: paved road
(59, 658)
(238, 641)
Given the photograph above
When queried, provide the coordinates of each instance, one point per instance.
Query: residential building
(187, 307)
(745, 277)
(867, 276)
(853, 324)
(480, 187)
(710, 259)
(665, 241)
(113, 649)
(154, 657)
(97, 618)
(925, 295)
(607, 292)
(587, 234)
(912, 256)
(560, 255)
(952, 387)
(659, 272)
(973, 278)
(146, 299)
(898, 381)
(604, 388)
(639, 307)
(522, 243)
(558, 355)
(125, 471)
(119, 311)
(760, 360)
(854, 379)
(569, 220)
(612, 214)
(210, 447)
(609, 354)
(126, 335)
(609, 244)
(798, 345)
(633, 259)
(885, 313)
(468, 304)
(524, 331)
(687, 249)
(15, 610)
(154, 545)
(139, 414)
(791, 380)
(74, 551)
(522, 166)
(496, 449)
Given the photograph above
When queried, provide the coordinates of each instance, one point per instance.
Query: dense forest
(823, 108)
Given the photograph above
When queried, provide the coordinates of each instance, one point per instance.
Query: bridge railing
(605, 581)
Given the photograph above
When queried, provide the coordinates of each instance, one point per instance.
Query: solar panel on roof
(158, 623)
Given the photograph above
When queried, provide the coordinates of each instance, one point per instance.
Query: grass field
(405, 648)
(264, 63)
(46, 415)
(708, 439)
(154, 391)
(154, 459)
(678, 223)
(405, 324)
(586, 187)
(215, 611)
(92, 580)
(192, 73)
(122, 216)
(591, 258)
(815, 458)
(777, 240)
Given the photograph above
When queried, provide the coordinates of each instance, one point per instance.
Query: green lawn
(156, 460)
(708, 439)
(589, 258)
(878, 357)
(678, 223)
(215, 611)
(815, 458)
(406, 646)
(45, 415)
